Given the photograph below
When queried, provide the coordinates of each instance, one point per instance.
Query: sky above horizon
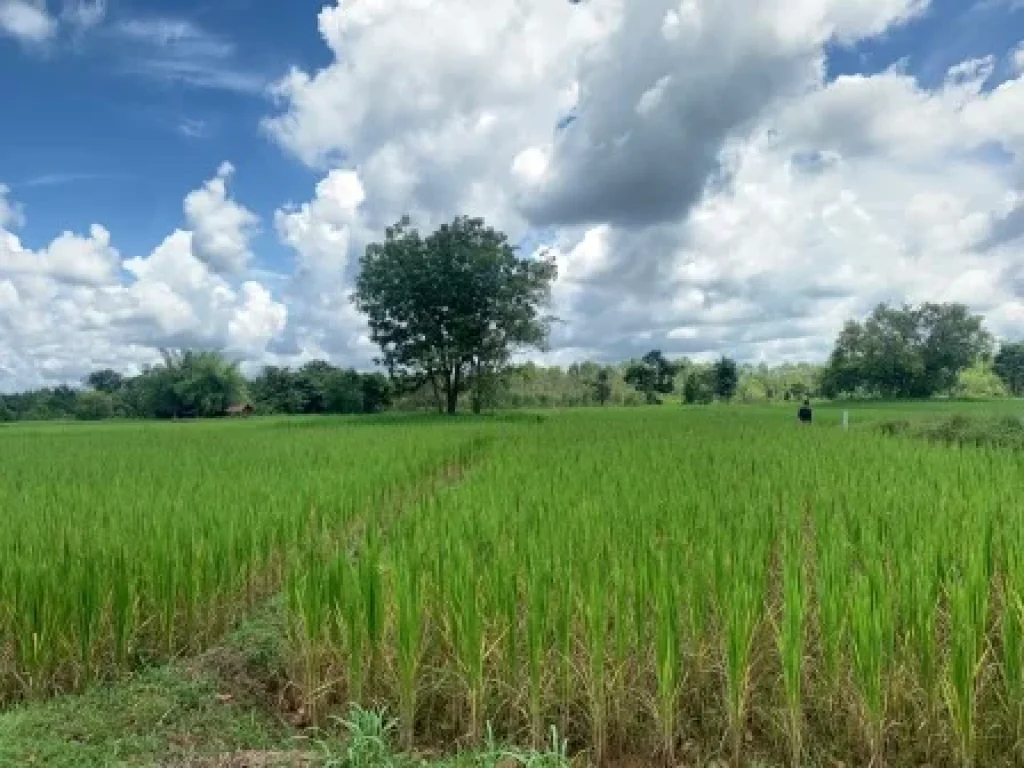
(713, 176)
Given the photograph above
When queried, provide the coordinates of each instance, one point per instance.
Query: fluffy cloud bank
(77, 304)
(706, 186)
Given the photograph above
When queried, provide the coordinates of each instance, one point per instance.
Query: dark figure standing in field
(804, 414)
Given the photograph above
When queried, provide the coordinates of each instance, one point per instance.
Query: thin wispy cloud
(83, 15)
(180, 51)
(995, 5)
(61, 179)
(202, 75)
(179, 36)
(193, 129)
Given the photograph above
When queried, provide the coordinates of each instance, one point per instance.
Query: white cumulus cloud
(26, 20)
(76, 304)
(221, 227)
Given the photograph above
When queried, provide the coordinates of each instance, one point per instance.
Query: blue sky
(113, 111)
(949, 32)
(94, 132)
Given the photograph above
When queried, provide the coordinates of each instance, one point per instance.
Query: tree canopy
(652, 375)
(725, 378)
(699, 386)
(452, 308)
(106, 380)
(191, 384)
(906, 351)
(318, 387)
(602, 384)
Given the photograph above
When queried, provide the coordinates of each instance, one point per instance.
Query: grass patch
(228, 708)
(1000, 431)
(163, 716)
(188, 712)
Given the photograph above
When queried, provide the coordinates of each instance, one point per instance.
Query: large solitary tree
(449, 310)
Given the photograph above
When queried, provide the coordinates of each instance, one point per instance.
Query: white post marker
(846, 419)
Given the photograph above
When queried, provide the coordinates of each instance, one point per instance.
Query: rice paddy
(127, 544)
(668, 585)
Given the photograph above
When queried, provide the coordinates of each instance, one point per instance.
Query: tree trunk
(478, 394)
(437, 393)
(452, 384)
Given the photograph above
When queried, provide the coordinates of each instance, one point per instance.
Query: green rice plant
(539, 587)
(466, 628)
(508, 588)
(968, 611)
(350, 612)
(924, 633)
(88, 610)
(1012, 657)
(621, 659)
(564, 628)
(371, 599)
(1011, 626)
(594, 608)
(307, 604)
(409, 640)
(743, 599)
(830, 580)
(122, 609)
(871, 638)
(790, 636)
(35, 630)
(668, 658)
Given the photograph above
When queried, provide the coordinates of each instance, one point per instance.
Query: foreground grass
(183, 713)
(228, 708)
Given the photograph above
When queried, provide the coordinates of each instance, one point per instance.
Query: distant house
(243, 409)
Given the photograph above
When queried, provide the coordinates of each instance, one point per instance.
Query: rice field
(668, 585)
(127, 544)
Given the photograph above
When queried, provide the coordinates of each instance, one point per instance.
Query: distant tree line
(203, 384)
(895, 353)
(652, 379)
